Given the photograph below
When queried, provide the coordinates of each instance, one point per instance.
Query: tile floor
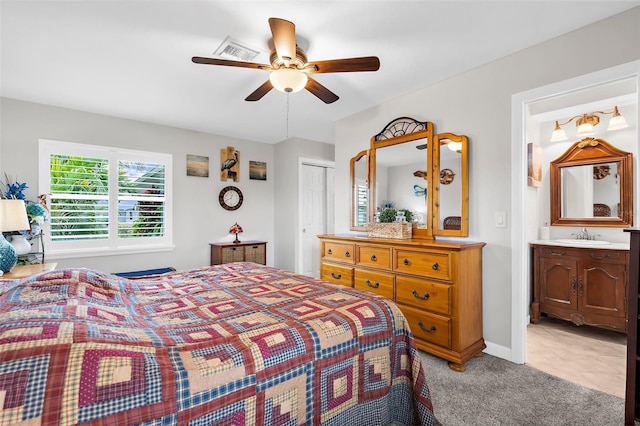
(591, 356)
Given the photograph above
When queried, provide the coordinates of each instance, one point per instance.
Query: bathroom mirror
(591, 185)
(359, 172)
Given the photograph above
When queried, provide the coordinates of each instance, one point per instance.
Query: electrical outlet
(501, 219)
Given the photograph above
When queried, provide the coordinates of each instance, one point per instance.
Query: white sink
(583, 242)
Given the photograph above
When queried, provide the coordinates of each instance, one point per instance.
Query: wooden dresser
(244, 251)
(436, 284)
(585, 285)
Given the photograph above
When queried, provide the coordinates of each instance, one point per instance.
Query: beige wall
(478, 104)
(198, 217)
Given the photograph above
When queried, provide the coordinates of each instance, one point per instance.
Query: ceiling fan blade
(284, 38)
(260, 92)
(324, 94)
(228, 63)
(366, 63)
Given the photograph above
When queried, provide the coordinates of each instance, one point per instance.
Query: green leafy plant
(408, 214)
(388, 215)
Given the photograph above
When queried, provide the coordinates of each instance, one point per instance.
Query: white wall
(198, 217)
(478, 104)
(287, 154)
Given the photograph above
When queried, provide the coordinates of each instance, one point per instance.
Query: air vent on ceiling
(233, 49)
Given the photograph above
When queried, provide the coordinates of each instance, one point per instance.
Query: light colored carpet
(496, 392)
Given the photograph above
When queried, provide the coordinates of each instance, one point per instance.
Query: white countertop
(582, 244)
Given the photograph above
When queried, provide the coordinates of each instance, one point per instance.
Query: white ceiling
(132, 59)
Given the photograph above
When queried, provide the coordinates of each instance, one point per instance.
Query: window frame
(114, 244)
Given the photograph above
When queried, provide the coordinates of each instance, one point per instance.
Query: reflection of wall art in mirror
(446, 176)
(534, 165)
(601, 172)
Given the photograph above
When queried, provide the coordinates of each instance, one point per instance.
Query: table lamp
(13, 217)
(235, 229)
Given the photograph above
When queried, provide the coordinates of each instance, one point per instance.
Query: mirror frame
(593, 151)
(352, 172)
(464, 185)
(398, 131)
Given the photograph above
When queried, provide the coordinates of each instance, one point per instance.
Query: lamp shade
(585, 129)
(617, 122)
(13, 216)
(235, 229)
(558, 134)
(288, 80)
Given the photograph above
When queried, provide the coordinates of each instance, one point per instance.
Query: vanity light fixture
(586, 123)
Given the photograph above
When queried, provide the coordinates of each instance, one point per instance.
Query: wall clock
(230, 198)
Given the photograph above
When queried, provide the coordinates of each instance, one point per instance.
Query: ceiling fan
(289, 69)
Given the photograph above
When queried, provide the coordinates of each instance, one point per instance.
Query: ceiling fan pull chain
(287, 116)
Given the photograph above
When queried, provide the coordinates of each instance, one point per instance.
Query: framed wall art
(257, 170)
(197, 165)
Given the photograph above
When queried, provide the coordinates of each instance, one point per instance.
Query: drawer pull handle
(556, 253)
(347, 254)
(417, 296)
(435, 266)
(573, 285)
(376, 285)
(337, 277)
(580, 287)
(594, 256)
(254, 247)
(427, 330)
(406, 262)
(233, 248)
(373, 258)
(329, 251)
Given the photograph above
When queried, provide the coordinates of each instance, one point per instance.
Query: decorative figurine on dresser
(436, 284)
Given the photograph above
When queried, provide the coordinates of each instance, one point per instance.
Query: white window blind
(105, 199)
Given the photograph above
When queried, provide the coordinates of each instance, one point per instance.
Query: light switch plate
(501, 219)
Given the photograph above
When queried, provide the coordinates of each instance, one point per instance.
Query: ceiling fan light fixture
(288, 80)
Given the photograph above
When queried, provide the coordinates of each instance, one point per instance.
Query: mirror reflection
(451, 176)
(591, 191)
(359, 191)
(401, 178)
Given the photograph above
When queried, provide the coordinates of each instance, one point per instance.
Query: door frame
(306, 162)
(520, 258)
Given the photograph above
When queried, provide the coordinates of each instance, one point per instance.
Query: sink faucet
(584, 235)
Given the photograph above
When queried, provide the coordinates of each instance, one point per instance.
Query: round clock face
(230, 198)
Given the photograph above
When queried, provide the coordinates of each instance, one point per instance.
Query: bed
(233, 344)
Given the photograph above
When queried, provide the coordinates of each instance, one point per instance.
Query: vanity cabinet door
(601, 291)
(558, 284)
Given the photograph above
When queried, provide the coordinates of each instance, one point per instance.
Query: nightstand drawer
(375, 282)
(430, 264)
(375, 257)
(337, 274)
(429, 327)
(424, 294)
(340, 252)
(232, 254)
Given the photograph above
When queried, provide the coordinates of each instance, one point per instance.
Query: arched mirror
(359, 171)
(451, 191)
(591, 185)
(401, 158)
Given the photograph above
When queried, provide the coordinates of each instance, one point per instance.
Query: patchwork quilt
(233, 344)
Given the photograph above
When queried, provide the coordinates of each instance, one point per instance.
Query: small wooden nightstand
(22, 271)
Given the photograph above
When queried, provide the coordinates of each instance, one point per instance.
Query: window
(105, 200)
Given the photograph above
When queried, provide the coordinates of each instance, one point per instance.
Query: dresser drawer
(431, 264)
(424, 294)
(432, 328)
(341, 252)
(376, 257)
(375, 282)
(337, 274)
